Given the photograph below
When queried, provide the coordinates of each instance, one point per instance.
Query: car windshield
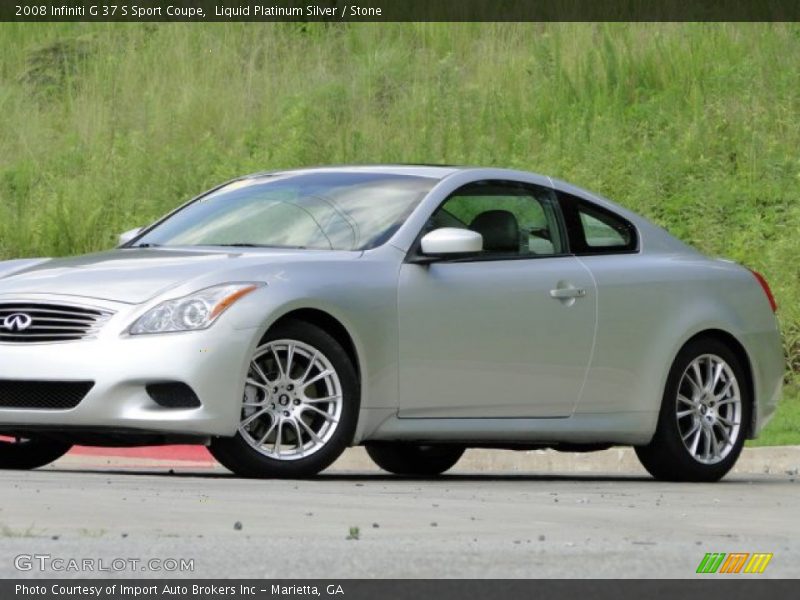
(330, 211)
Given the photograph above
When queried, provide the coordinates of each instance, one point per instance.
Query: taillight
(767, 291)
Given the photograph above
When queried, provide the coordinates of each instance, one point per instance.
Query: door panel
(499, 338)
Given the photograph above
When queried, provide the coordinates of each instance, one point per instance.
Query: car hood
(136, 275)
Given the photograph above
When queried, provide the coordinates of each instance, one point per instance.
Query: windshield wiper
(145, 245)
(244, 245)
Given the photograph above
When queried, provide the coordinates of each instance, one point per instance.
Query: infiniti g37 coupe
(416, 310)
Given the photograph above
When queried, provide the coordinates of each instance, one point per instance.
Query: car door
(507, 332)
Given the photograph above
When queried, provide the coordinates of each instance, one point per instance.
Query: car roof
(441, 172)
(655, 236)
(416, 170)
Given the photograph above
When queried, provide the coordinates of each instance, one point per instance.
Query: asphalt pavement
(358, 522)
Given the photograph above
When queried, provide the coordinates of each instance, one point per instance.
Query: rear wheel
(30, 453)
(300, 406)
(412, 459)
(704, 415)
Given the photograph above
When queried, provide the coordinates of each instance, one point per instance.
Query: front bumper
(212, 362)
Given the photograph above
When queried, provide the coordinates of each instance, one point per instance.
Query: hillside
(696, 126)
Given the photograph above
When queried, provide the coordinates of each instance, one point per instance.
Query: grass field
(106, 126)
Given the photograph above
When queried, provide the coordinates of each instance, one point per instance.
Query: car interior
(502, 232)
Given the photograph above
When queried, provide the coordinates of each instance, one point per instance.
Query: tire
(277, 410)
(412, 459)
(25, 454)
(704, 415)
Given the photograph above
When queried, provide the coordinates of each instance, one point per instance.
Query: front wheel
(704, 415)
(30, 453)
(412, 459)
(300, 406)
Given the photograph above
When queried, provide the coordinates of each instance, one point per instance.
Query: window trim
(576, 234)
(415, 256)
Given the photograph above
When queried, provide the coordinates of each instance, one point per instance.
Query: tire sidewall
(240, 457)
(31, 455)
(684, 466)
(414, 459)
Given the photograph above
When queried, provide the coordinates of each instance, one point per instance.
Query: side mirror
(129, 235)
(448, 241)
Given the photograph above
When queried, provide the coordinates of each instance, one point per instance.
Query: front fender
(360, 295)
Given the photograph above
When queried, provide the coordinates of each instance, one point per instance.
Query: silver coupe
(417, 310)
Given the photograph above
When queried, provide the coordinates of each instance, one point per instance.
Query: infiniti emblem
(17, 322)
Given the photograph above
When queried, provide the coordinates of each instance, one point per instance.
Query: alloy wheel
(292, 400)
(709, 409)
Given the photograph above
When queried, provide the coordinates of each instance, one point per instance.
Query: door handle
(567, 293)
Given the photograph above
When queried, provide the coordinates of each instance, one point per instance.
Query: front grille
(24, 322)
(52, 395)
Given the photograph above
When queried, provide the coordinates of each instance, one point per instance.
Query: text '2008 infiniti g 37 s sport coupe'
(284, 316)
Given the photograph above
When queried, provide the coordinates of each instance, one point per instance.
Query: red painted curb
(178, 453)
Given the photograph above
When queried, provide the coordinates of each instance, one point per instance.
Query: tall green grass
(106, 126)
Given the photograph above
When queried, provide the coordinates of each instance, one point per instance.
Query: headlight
(192, 312)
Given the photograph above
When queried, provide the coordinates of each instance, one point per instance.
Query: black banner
(400, 10)
(360, 589)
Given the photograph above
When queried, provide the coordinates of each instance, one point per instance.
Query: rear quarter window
(596, 230)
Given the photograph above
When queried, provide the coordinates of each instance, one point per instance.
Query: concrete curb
(781, 460)
(784, 460)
